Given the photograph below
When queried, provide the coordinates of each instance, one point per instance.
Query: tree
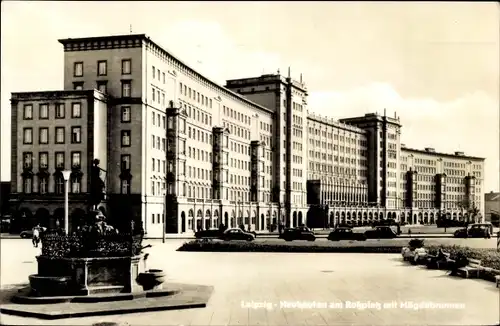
(472, 210)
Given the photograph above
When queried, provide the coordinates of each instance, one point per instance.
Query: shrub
(416, 243)
(490, 258)
(223, 246)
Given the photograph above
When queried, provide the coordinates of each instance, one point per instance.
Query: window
(76, 160)
(28, 136)
(125, 139)
(76, 183)
(78, 86)
(153, 94)
(43, 159)
(43, 111)
(125, 113)
(59, 181)
(154, 72)
(59, 160)
(102, 68)
(43, 184)
(158, 73)
(27, 160)
(102, 86)
(126, 88)
(59, 135)
(60, 111)
(163, 77)
(125, 186)
(28, 185)
(126, 66)
(78, 69)
(180, 88)
(125, 162)
(76, 135)
(28, 112)
(43, 136)
(76, 110)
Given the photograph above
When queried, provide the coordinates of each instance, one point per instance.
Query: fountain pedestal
(85, 276)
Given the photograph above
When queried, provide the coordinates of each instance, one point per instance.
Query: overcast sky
(435, 64)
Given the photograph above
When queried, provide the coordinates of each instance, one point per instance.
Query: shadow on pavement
(7, 291)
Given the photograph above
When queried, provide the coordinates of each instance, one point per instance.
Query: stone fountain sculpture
(97, 258)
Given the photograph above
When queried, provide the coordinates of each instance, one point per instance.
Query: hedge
(490, 257)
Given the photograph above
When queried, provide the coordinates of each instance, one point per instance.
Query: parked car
(298, 233)
(475, 230)
(208, 234)
(237, 234)
(26, 234)
(344, 233)
(381, 232)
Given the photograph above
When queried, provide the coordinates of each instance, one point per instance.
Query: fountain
(97, 263)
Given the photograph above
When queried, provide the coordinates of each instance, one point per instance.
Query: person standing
(36, 236)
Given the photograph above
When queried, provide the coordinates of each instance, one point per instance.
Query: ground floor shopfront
(192, 215)
(408, 216)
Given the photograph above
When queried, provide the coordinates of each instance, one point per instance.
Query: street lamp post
(66, 174)
(164, 216)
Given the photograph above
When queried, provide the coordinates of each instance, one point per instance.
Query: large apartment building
(179, 150)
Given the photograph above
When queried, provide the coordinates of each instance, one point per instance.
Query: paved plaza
(268, 280)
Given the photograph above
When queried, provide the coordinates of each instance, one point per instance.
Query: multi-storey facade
(181, 151)
(492, 208)
(54, 131)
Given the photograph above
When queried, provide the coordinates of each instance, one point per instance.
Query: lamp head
(66, 174)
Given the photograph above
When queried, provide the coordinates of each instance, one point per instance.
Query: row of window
(156, 74)
(43, 135)
(102, 68)
(43, 184)
(43, 159)
(237, 131)
(59, 108)
(200, 135)
(75, 185)
(233, 114)
(102, 86)
(313, 131)
(340, 159)
(198, 114)
(195, 96)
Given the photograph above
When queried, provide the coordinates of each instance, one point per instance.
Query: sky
(436, 65)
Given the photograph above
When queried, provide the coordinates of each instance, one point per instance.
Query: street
(244, 281)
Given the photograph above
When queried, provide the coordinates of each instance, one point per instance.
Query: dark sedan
(27, 234)
(237, 234)
(345, 234)
(298, 233)
(208, 234)
(381, 232)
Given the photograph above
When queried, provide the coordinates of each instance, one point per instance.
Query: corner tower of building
(287, 98)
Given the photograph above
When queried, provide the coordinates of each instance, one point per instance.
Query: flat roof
(58, 93)
(423, 151)
(146, 38)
